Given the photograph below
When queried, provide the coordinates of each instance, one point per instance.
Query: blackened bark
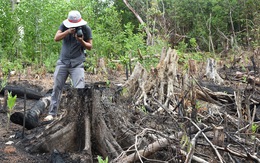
(19, 91)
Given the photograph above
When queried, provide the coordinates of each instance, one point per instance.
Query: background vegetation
(194, 27)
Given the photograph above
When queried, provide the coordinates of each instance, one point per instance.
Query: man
(77, 37)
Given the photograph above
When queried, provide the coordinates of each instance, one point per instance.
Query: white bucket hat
(74, 20)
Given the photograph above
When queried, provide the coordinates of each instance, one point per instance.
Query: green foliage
(124, 92)
(40, 21)
(142, 108)
(244, 79)
(198, 105)
(100, 160)
(7, 29)
(28, 28)
(197, 56)
(50, 62)
(6, 66)
(182, 46)
(10, 104)
(90, 63)
(254, 127)
(193, 43)
(126, 15)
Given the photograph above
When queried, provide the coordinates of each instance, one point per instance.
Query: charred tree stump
(68, 131)
(87, 123)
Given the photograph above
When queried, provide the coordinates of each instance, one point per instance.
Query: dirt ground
(11, 148)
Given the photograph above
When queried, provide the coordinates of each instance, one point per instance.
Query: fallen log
(20, 91)
(32, 115)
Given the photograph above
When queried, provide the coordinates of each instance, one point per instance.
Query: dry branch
(151, 149)
(193, 143)
(214, 148)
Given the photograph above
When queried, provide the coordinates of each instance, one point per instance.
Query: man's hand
(61, 34)
(80, 39)
(87, 44)
(71, 30)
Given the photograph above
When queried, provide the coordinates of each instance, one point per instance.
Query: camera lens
(79, 32)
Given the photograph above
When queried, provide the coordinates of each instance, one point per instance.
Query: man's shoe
(48, 118)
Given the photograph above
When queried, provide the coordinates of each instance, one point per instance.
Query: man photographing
(76, 37)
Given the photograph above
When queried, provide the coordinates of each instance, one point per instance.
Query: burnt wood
(32, 115)
(20, 91)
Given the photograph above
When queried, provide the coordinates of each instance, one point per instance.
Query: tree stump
(211, 71)
(159, 84)
(219, 136)
(89, 121)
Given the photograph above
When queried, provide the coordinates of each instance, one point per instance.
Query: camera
(79, 31)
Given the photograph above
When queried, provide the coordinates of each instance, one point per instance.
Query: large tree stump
(68, 132)
(90, 122)
(159, 84)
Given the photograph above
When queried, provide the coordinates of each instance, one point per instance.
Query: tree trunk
(149, 36)
(20, 91)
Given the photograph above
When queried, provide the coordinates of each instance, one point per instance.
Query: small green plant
(10, 104)
(198, 105)
(182, 47)
(142, 108)
(108, 82)
(100, 160)
(193, 43)
(244, 79)
(254, 127)
(243, 68)
(124, 92)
